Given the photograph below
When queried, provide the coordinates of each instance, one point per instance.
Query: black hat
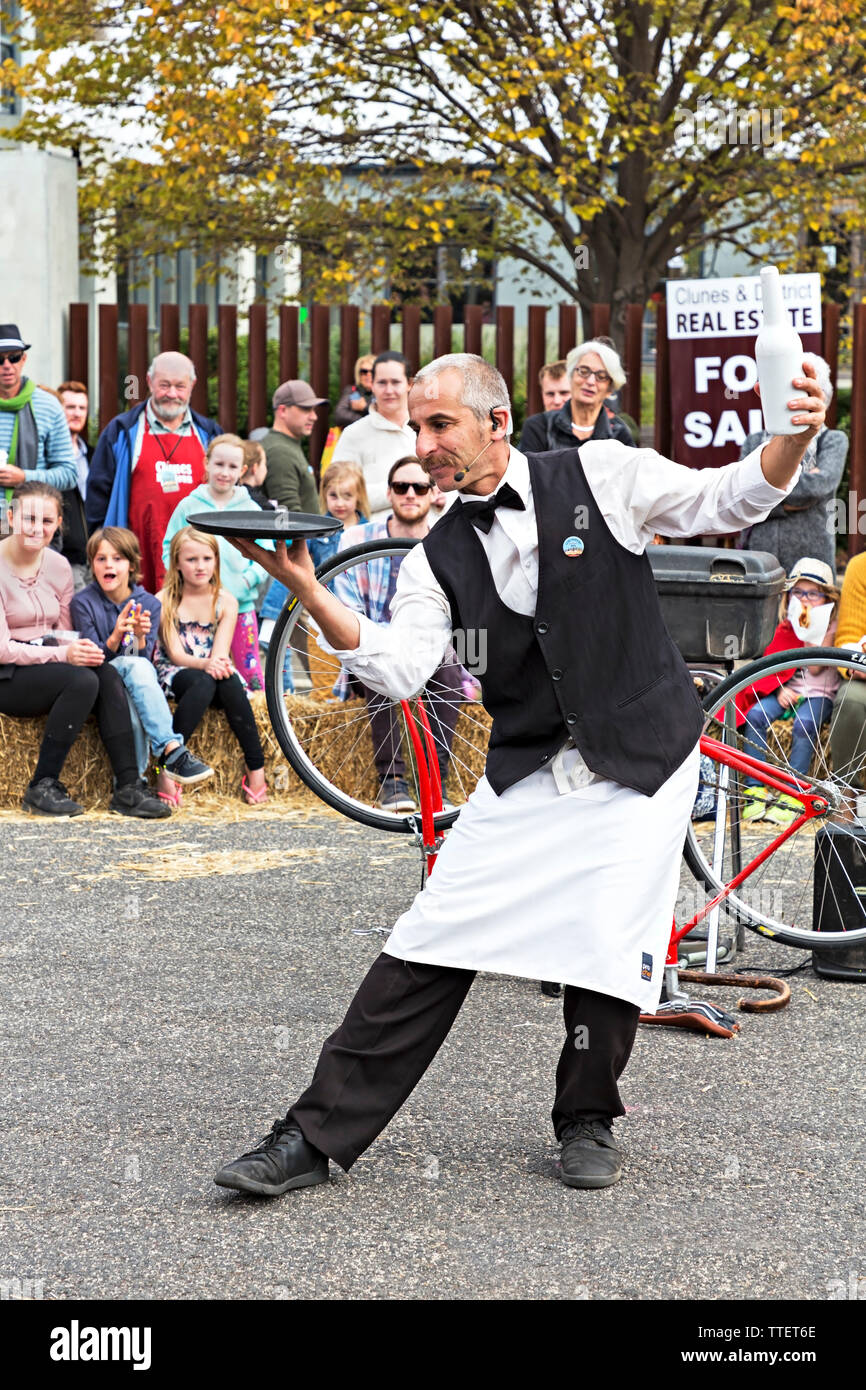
(11, 338)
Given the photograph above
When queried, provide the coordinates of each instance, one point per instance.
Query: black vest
(595, 663)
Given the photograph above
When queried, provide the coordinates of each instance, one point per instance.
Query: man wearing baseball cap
(34, 436)
(290, 480)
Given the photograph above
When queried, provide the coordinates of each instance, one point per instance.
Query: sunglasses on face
(418, 488)
(585, 373)
(10, 357)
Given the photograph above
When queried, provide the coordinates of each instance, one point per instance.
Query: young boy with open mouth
(121, 617)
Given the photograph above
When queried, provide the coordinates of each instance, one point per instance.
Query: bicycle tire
(312, 736)
(777, 901)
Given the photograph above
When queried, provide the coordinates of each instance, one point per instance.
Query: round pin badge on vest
(572, 546)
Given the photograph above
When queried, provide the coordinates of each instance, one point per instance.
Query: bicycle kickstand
(678, 1010)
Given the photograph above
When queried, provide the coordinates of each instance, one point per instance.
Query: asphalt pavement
(153, 1029)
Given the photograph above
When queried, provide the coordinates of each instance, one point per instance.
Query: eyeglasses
(365, 371)
(811, 594)
(10, 357)
(418, 488)
(602, 377)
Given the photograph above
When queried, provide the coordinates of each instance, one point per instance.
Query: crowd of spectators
(110, 601)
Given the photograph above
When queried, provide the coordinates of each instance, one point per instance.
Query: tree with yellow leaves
(591, 140)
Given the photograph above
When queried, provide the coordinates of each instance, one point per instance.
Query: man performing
(564, 863)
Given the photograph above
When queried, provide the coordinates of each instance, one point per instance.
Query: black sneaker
(48, 797)
(590, 1157)
(183, 767)
(394, 796)
(138, 800)
(283, 1159)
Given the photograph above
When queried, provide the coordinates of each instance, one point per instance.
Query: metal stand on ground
(678, 1009)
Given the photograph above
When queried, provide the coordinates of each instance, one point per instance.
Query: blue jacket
(110, 475)
(95, 615)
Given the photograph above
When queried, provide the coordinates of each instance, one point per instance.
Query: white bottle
(779, 355)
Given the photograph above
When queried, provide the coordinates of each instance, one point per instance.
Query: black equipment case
(718, 605)
(840, 897)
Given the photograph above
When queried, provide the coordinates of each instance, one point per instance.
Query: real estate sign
(712, 326)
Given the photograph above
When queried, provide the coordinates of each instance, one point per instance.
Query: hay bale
(335, 734)
(87, 771)
(337, 738)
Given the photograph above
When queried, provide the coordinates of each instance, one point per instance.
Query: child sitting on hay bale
(192, 654)
(122, 619)
(807, 618)
(48, 669)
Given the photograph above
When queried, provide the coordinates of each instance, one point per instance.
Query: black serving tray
(261, 524)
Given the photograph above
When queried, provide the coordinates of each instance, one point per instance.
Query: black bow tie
(481, 514)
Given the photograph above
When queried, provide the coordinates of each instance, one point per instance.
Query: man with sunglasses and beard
(34, 437)
(370, 591)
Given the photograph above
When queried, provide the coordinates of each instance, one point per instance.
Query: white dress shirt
(639, 494)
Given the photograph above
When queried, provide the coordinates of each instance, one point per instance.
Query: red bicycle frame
(429, 780)
(814, 803)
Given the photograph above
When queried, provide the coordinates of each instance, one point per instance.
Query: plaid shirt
(365, 588)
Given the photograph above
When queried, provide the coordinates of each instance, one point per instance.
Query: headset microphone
(458, 477)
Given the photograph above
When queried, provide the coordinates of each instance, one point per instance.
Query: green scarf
(16, 404)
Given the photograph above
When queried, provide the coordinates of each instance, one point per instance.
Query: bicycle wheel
(783, 898)
(343, 748)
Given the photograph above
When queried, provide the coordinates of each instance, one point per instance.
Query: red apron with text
(169, 467)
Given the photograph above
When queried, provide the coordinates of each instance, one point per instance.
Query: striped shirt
(56, 461)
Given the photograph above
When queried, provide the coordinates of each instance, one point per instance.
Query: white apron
(579, 888)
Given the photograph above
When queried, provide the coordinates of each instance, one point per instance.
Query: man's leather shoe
(283, 1159)
(590, 1157)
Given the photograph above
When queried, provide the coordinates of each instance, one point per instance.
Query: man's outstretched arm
(395, 658)
(293, 566)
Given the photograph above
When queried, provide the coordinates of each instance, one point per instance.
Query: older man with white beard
(150, 458)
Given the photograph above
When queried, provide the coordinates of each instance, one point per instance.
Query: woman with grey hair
(594, 372)
(805, 523)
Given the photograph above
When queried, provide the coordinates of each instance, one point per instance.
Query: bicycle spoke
(804, 891)
(332, 743)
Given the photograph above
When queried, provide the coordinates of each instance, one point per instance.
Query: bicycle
(328, 742)
(780, 901)
(327, 739)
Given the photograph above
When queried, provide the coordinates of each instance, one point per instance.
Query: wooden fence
(118, 391)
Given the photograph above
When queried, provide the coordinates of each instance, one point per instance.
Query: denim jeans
(151, 716)
(806, 726)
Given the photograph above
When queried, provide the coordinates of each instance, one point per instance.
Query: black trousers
(195, 691)
(67, 694)
(396, 1024)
